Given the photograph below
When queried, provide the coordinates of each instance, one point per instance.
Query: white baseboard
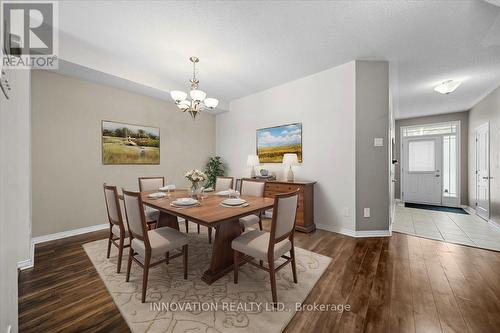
(69, 233)
(353, 233)
(29, 263)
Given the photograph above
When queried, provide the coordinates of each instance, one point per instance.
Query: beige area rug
(177, 305)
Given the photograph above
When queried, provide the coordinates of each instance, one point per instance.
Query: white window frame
(445, 201)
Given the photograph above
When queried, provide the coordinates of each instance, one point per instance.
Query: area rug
(177, 305)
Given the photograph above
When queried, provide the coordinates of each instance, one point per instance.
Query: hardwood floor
(397, 284)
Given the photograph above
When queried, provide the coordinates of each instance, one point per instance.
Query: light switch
(378, 142)
(367, 212)
(346, 211)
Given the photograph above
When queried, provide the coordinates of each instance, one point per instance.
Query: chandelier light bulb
(197, 95)
(178, 95)
(211, 103)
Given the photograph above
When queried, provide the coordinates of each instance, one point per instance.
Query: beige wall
(463, 117)
(488, 110)
(66, 147)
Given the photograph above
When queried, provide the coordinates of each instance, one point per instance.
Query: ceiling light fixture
(447, 87)
(198, 101)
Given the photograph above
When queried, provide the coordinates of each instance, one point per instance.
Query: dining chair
(150, 243)
(118, 230)
(151, 184)
(254, 188)
(265, 246)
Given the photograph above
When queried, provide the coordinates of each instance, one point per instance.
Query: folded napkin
(157, 195)
(170, 187)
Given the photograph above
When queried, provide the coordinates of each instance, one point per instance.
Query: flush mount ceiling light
(447, 87)
(198, 101)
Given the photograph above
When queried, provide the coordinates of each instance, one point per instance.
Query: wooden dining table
(209, 213)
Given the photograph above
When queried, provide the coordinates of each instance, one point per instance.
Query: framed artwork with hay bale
(274, 142)
(124, 143)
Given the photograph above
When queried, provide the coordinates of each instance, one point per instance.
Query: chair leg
(198, 227)
(209, 235)
(145, 278)
(236, 265)
(185, 251)
(187, 226)
(294, 267)
(167, 256)
(260, 224)
(129, 264)
(272, 274)
(109, 244)
(120, 254)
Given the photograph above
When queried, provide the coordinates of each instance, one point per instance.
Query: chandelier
(198, 101)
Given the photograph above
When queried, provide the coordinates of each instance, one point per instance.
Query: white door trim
(476, 130)
(459, 158)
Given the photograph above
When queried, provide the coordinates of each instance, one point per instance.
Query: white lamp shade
(178, 95)
(253, 160)
(197, 95)
(183, 105)
(290, 159)
(211, 103)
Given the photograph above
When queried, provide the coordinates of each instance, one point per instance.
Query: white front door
(483, 172)
(422, 161)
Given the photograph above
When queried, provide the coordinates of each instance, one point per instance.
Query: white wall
(487, 110)
(325, 105)
(15, 192)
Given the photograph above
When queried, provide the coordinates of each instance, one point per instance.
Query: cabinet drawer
(281, 188)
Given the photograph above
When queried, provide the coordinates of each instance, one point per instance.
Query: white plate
(234, 202)
(185, 202)
(157, 195)
(223, 193)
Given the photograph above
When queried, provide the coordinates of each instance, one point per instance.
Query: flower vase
(194, 191)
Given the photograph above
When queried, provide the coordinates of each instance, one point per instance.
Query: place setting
(234, 203)
(183, 203)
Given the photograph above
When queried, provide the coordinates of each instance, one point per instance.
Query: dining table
(210, 213)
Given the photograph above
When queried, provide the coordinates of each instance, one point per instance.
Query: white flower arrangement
(195, 176)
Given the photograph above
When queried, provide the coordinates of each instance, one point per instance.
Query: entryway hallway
(449, 227)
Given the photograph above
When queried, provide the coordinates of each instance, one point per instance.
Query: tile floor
(449, 227)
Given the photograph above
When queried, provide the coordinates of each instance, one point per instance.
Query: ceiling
(250, 46)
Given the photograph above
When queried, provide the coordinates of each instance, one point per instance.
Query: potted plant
(213, 169)
(195, 176)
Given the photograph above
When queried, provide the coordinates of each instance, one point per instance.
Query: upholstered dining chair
(153, 184)
(118, 231)
(254, 188)
(150, 244)
(271, 246)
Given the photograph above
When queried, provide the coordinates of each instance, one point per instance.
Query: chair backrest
(134, 211)
(223, 183)
(284, 214)
(252, 187)
(237, 185)
(113, 205)
(151, 183)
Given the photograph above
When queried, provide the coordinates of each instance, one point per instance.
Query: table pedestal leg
(168, 220)
(222, 253)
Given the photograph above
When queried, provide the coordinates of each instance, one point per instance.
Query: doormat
(438, 208)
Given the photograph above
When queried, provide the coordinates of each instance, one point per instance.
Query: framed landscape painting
(273, 142)
(129, 144)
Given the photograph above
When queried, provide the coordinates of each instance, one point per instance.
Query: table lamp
(290, 160)
(252, 162)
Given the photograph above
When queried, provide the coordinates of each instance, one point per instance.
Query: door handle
(437, 176)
